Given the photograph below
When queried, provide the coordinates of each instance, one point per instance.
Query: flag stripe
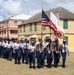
(47, 22)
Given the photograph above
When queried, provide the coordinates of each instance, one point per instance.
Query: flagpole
(50, 33)
(41, 31)
(41, 26)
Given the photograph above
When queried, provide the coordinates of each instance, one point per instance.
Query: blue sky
(30, 7)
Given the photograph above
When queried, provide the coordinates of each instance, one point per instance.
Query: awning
(47, 35)
(33, 36)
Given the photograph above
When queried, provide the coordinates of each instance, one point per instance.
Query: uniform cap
(32, 41)
(39, 38)
(53, 40)
(48, 38)
(56, 39)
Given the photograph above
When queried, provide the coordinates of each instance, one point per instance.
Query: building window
(43, 27)
(30, 27)
(65, 24)
(66, 40)
(35, 27)
(15, 22)
(24, 28)
(20, 29)
(13, 31)
(22, 21)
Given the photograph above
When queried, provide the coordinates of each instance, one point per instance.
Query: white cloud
(30, 7)
(1, 1)
(48, 1)
(12, 7)
(61, 3)
(55, 1)
(67, 5)
(32, 12)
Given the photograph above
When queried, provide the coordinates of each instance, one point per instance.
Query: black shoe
(10, 59)
(26, 63)
(30, 67)
(38, 67)
(55, 66)
(49, 66)
(15, 62)
(23, 62)
(42, 66)
(33, 67)
(63, 66)
(19, 63)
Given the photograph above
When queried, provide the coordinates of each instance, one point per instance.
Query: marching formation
(32, 52)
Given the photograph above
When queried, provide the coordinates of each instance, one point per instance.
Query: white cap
(32, 41)
(56, 38)
(39, 38)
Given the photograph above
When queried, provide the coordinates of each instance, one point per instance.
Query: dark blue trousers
(17, 55)
(42, 58)
(31, 59)
(56, 58)
(38, 55)
(64, 58)
(49, 59)
(10, 54)
(4, 52)
(7, 54)
(25, 56)
(0, 51)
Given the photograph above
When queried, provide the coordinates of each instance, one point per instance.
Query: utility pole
(6, 21)
(7, 28)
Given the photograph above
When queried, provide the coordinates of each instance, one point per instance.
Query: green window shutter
(65, 24)
(24, 28)
(66, 40)
(20, 29)
(30, 27)
(43, 27)
(35, 27)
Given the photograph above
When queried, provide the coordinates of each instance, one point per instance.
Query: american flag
(47, 22)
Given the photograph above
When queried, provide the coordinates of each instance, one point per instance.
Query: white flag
(57, 24)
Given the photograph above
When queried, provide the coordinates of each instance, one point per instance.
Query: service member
(25, 51)
(49, 52)
(64, 51)
(32, 54)
(9, 50)
(56, 52)
(17, 52)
